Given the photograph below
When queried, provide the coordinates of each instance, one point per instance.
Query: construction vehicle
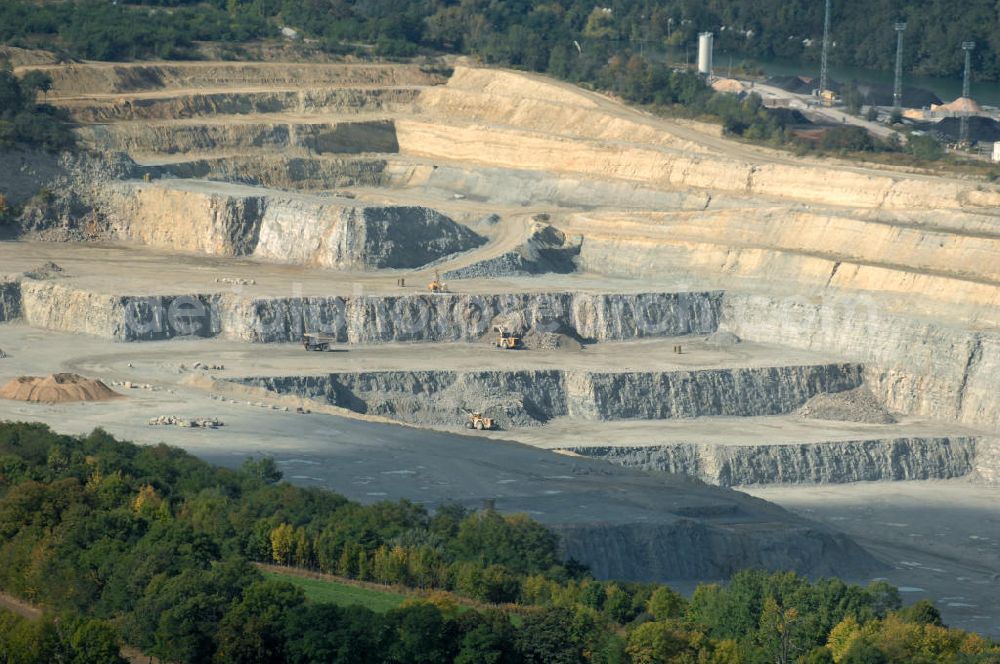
(437, 286)
(506, 339)
(479, 423)
(316, 342)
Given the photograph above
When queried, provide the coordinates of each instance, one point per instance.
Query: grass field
(332, 592)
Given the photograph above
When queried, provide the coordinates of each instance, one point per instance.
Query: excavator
(437, 286)
(477, 421)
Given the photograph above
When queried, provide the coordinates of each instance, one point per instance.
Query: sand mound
(56, 388)
(857, 405)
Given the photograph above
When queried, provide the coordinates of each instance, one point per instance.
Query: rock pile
(235, 281)
(47, 270)
(2, 354)
(57, 388)
(547, 249)
(185, 422)
(722, 339)
(129, 385)
(857, 405)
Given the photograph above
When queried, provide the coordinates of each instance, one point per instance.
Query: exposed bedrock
(172, 138)
(365, 319)
(520, 398)
(514, 398)
(464, 317)
(284, 228)
(62, 308)
(10, 299)
(913, 365)
(828, 462)
(73, 80)
(742, 392)
(700, 549)
(184, 106)
(281, 172)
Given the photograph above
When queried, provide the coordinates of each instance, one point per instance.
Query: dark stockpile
(880, 94)
(981, 130)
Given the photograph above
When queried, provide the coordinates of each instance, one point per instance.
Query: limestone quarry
(696, 319)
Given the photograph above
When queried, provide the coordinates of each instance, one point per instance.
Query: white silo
(705, 43)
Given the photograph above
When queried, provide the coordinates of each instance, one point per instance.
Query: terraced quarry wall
(363, 319)
(283, 228)
(883, 459)
(913, 365)
(523, 398)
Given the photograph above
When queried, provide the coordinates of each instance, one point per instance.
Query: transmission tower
(897, 88)
(823, 73)
(963, 131)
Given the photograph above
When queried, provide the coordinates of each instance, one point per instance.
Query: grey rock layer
(913, 365)
(521, 398)
(368, 319)
(813, 463)
(700, 549)
(10, 299)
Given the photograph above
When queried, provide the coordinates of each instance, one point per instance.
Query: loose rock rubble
(45, 271)
(129, 385)
(857, 405)
(185, 422)
(235, 281)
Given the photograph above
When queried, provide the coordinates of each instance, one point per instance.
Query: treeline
(154, 547)
(25, 122)
(537, 36)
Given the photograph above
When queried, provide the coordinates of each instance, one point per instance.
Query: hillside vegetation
(536, 36)
(23, 122)
(152, 546)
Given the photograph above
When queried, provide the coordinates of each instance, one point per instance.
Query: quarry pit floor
(941, 539)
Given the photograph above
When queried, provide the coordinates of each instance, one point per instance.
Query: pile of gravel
(45, 271)
(857, 405)
(722, 338)
(509, 264)
(546, 250)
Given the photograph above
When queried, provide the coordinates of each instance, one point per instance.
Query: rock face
(912, 365)
(170, 138)
(700, 549)
(711, 392)
(10, 300)
(834, 462)
(190, 105)
(521, 398)
(285, 228)
(365, 319)
(462, 317)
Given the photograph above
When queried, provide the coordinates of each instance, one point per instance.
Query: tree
(253, 630)
(664, 603)
(283, 544)
(34, 82)
(263, 469)
(95, 642)
(542, 638)
(419, 634)
(924, 147)
(656, 643)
